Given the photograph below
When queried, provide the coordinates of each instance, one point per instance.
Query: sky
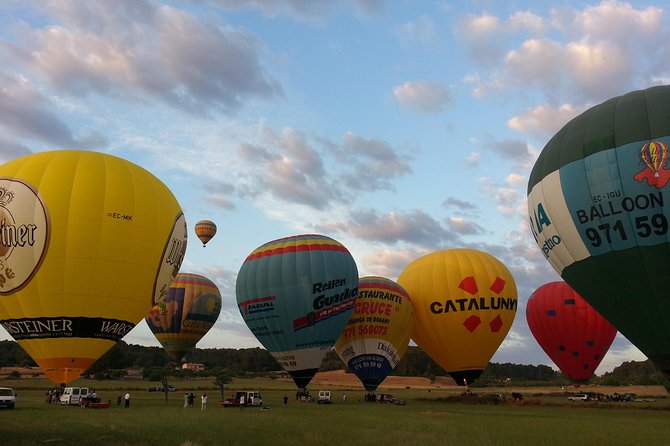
(398, 128)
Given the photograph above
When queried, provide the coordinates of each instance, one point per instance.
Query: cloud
(27, 114)
(592, 54)
(411, 227)
(461, 205)
(422, 96)
(134, 51)
(544, 120)
(462, 226)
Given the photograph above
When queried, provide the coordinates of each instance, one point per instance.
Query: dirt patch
(343, 379)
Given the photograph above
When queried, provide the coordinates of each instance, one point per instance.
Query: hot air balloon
(464, 304)
(569, 330)
(88, 244)
(377, 334)
(190, 309)
(205, 230)
(596, 202)
(296, 294)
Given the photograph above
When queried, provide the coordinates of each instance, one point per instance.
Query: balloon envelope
(205, 230)
(295, 295)
(89, 243)
(377, 334)
(597, 205)
(464, 304)
(574, 335)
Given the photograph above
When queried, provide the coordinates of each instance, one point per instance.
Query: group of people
(189, 399)
(53, 396)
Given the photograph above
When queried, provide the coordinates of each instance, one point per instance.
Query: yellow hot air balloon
(464, 304)
(205, 230)
(89, 243)
(191, 308)
(377, 334)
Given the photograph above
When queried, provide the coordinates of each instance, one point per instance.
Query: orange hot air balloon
(205, 230)
(574, 335)
(464, 304)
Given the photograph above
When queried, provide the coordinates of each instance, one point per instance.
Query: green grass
(427, 419)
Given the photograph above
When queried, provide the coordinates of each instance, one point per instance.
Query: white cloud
(422, 96)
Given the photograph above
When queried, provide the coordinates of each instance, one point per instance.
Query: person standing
(285, 400)
(127, 400)
(242, 402)
(191, 399)
(203, 402)
(185, 400)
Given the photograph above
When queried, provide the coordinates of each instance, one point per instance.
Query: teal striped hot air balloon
(296, 295)
(599, 205)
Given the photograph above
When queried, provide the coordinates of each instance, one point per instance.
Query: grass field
(428, 418)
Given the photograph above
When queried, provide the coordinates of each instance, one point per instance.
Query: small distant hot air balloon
(377, 334)
(191, 308)
(88, 244)
(205, 230)
(597, 207)
(569, 330)
(464, 304)
(296, 295)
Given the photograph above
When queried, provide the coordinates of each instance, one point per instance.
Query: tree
(221, 380)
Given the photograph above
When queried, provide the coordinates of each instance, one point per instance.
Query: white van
(7, 397)
(72, 395)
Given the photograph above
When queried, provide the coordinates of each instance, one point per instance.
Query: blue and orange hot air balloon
(190, 310)
(574, 335)
(377, 334)
(296, 295)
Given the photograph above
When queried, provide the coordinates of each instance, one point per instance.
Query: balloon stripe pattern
(90, 243)
(295, 295)
(205, 230)
(377, 335)
(574, 335)
(190, 310)
(597, 207)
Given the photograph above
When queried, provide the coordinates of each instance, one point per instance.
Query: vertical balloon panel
(596, 202)
(105, 238)
(377, 334)
(464, 304)
(295, 295)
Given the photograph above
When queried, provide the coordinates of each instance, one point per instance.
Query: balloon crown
(6, 197)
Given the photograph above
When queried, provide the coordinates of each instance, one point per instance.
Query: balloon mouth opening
(465, 377)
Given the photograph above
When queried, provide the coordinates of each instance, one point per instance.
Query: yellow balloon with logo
(89, 243)
(377, 334)
(464, 305)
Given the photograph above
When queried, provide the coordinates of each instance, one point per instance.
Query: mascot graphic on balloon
(599, 204)
(88, 244)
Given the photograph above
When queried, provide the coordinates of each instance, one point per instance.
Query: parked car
(72, 395)
(7, 397)
(250, 399)
(385, 398)
(579, 397)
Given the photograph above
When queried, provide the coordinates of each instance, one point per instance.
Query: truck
(7, 397)
(72, 395)
(324, 397)
(251, 398)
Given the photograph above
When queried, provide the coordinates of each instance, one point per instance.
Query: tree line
(154, 361)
